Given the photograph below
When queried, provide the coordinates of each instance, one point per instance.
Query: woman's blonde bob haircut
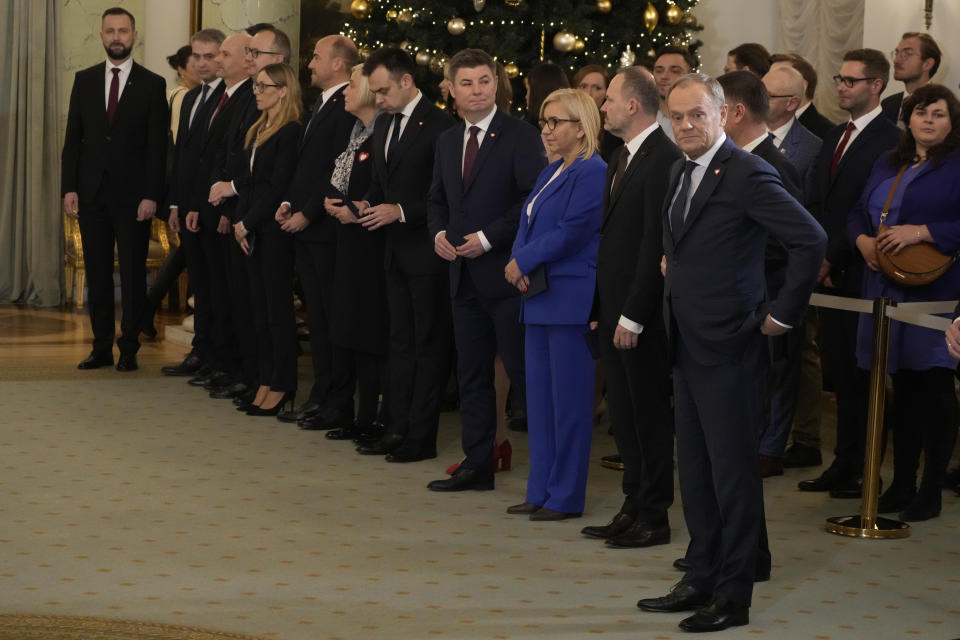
(580, 107)
(366, 97)
(283, 75)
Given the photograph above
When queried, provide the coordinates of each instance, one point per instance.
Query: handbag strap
(893, 190)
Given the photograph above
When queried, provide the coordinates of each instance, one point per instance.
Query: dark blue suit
(715, 300)
(801, 148)
(485, 306)
(562, 236)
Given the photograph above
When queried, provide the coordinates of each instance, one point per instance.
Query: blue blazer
(563, 233)
(801, 148)
(489, 200)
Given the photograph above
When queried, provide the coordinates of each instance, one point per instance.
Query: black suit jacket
(505, 170)
(127, 159)
(715, 290)
(629, 282)
(186, 152)
(832, 199)
(405, 180)
(235, 160)
(324, 138)
(264, 185)
(891, 107)
(815, 122)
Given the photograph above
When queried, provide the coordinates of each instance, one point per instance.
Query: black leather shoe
(190, 365)
(896, 498)
(218, 380)
(801, 455)
(848, 489)
(620, 523)
(387, 444)
(96, 360)
(681, 564)
(922, 508)
(718, 615)
(543, 514)
(127, 362)
(641, 534)
(340, 433)
(202, 379)
(326, 419)
(464, 480)
(524, 508)
(412, 453)
(370, 434)
(304, 411)
(246, 398)
(235, 390)
(614, 462)
(825, 481)
(683, 597)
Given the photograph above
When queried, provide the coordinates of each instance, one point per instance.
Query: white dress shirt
(125, 68)
(860, 124)
(664, 121)
(753, 144)
(407, 112)
(780, 133)
(213, 84)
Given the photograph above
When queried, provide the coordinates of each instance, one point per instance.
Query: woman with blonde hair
(272, 146)
(554, 263)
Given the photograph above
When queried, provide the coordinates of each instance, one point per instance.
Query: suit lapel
(380, 141)
(328, 107)
(674, 183)
(711, 178)
(133, 80)
(489, 140)
(410, 132)
(858, 142)
(546, 191)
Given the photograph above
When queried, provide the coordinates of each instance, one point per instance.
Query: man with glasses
(848, 154)
(915, 61)
(785, 90)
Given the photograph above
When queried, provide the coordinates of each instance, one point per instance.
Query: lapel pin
(493, 135)
(364, 155)
(420, 123)
(716, 172)
(783, 151)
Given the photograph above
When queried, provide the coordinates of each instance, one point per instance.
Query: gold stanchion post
(867, 524)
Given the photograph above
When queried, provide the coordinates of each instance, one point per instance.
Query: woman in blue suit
(554, 261)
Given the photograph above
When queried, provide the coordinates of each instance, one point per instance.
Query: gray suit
(801, 148)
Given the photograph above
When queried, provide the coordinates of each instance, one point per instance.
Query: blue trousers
(560, 375)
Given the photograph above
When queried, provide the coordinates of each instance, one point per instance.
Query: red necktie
(843, 145)
(223, 98)
(470, 155)
(114, 95)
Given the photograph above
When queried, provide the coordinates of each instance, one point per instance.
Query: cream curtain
(821, 31)
(31, 230)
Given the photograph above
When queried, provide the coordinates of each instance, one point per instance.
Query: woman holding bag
(915, 192)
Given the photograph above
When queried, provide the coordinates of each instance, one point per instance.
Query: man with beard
(113, 159)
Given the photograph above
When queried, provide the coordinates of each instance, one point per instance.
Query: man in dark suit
(417, 286)
(330, 403)
(807, 113)
(721, 205)
(846, 159)
(797, 144)
(198, 104)
(483, 171)
(114, 153)
(628, 310)
(671, 63)
(915, 61)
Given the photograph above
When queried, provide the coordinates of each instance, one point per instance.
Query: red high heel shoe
(502, 456)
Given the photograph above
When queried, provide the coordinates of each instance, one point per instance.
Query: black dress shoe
(524, 508)
(620, 523)
(922, 508)
(770, 466)
(614, 462)
(325, 419)
(190, 365)
(464, 480)
(218, 380)
(96, 360)
(127, 362)
(246, 398)
(683, 597)
(718, 615)
(386, 444)
(641, 534)
(203, 378)
(825, 481)
(681, 564)
(340, 433)
(543, 514)
(896, 498)
(304, 411)
(235, 390)
(412, 453)
(848, 489)
(370, 434)
(801, 455)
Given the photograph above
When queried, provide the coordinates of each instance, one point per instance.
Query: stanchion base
(856, 527)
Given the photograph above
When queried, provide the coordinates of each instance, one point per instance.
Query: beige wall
(233, 16)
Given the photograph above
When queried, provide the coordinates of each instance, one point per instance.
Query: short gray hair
(714, 90)
(209, 36)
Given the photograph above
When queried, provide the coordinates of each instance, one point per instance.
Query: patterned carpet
(28, 627)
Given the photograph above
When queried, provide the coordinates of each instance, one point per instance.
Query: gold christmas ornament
(674, 14)
(478, 5)
(513, 3)
(579, 45)
(564, 41)
(512, 70)
(360, 9)
(405, 45)
(457, 26)
(436, 65)
(650, 17)
(604, 6)
(405, 17)
(690, 20)
(423, 58)
(392, 14)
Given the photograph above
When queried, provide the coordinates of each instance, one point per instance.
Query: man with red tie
(112, 177)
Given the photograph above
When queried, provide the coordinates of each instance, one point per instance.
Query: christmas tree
(522, 33)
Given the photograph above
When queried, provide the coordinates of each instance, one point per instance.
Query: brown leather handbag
(917, 264)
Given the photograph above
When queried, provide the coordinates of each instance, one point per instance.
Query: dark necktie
(203, 101)
(680, 204)
(395, 137)
(114, 96)
(223, 98)
(843, 145)
(313, 116)
(621, 166)
(470, 155)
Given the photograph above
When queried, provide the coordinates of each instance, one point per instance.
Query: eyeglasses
(903, 53)
(260, 87)
(848, 82)
(551, 123)
(785, 95)
(255, 53)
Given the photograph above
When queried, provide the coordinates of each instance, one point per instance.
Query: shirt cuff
(287, 204)
(438, 235)
(785, 326)
(956, 320)
(483, 240)
(234, 187)
(402, 218)
(173, 206)
(630, 325)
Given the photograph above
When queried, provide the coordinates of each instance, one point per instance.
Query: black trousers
(420, 340)
(103, 224)
(221, 335)
(484, 326)
(271, 301)
(237, 269)
(191, 245)
(367, 370)
(333, 380)
(638, 396)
